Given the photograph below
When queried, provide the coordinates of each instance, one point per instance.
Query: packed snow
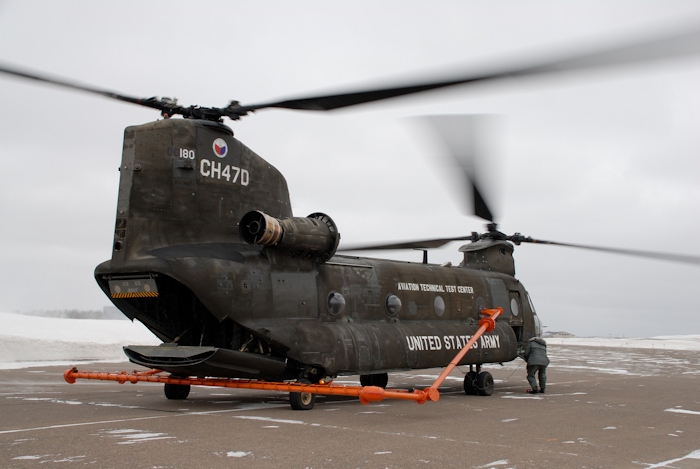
(35, 341)
(664, 342)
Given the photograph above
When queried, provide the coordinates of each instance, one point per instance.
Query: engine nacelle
(313, 237)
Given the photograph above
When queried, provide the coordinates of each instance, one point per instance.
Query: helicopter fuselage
(284, 307)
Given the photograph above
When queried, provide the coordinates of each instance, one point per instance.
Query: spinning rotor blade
(627, 252)
(463, 138)
(422, 244)
(148, 102)
(167, 107)
(677, 45)
(517, 238)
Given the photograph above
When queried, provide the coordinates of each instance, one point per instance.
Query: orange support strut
(366, 394)
(486, 324)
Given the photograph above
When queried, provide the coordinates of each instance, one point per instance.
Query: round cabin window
(336, 303)
(393, 305)
(514, 307)
(439, 306)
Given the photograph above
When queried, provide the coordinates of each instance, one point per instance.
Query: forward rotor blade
(682, 44)
(464, 138)
(517, 238)
(695, 260)
(421, 244)
(148, 102)
(481, 210)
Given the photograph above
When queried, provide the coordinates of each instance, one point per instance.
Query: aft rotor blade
(627, 252)
(148, 102)
(421, 244)
(682, 44)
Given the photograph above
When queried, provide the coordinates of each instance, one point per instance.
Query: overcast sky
(603, 158)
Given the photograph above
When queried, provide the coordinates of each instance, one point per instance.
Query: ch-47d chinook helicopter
(208, 256)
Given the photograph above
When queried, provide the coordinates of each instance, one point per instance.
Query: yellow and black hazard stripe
(142, 294)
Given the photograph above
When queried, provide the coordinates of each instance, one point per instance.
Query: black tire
(380, 380)
(470, 383)
(484, 383)
(302, 400)
(177, 392)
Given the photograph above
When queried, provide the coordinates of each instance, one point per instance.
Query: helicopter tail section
(186, 181)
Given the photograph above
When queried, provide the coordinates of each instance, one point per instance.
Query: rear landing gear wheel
(177, 392)
(302, 400)
(470, 383)
(380, 380)
(484, 383)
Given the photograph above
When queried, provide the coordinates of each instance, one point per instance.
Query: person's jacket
(536, 352)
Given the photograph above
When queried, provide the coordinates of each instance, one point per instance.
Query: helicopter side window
(392, 304)
(514, 307)
(439, 306)
(336, 303)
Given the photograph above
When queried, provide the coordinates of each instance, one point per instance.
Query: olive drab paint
(238, 287)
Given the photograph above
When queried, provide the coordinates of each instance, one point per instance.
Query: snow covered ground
(667, 342)
(34, 341)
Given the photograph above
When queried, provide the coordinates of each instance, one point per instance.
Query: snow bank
(34, 341)
(663, 342)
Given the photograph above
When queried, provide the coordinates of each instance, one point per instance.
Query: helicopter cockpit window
(336, 303)
(532, 307)
(514, 307)
(439, 306)
(393, 305)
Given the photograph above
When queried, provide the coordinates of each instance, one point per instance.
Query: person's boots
(542, 390)
(532, 391)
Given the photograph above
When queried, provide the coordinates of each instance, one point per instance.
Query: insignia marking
(220, 147)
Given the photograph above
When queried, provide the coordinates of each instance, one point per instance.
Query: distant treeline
(109, 312)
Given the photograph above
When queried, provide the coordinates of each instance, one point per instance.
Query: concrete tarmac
(604, 408)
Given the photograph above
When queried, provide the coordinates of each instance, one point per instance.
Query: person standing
(537, 361)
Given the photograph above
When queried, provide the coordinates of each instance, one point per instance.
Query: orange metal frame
(366, 394)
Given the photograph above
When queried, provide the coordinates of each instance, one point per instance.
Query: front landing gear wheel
(177, 392)
(302, 400)
(380, 380)
(470, 383)
(484, 383)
